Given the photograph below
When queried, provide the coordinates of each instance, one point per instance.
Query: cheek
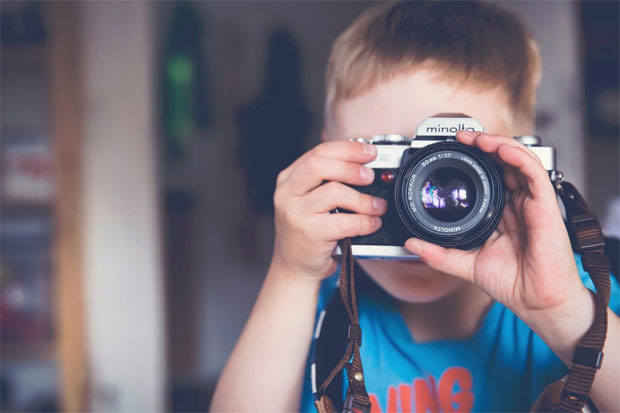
(411, 282)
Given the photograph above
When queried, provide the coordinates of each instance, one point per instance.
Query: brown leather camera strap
(356, 400)
(587, 238)
(568, 395)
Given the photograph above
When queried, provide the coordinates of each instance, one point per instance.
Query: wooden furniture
(41, 190)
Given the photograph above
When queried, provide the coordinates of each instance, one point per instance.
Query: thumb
(449, 260)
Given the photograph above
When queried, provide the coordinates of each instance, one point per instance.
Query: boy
(485, 329)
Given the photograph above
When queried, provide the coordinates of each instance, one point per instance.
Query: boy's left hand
(527, 263)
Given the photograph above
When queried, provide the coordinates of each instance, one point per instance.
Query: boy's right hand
(306, 231)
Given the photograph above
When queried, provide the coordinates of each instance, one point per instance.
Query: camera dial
(385, 139)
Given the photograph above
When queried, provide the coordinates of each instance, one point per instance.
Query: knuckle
(353, 148)
(314, 164)
(333, 189)
(354, 170)
(365, 224)
(304, 231)
(367, 202)
(320, 149)
(289, 216)
(350, 171)
(363, 202)
(281, 176)
(345, 225)
(360, 224)
(279, 200)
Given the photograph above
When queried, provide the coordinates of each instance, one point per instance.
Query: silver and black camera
(437, 189)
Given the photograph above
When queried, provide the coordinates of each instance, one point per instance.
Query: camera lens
(449, 194)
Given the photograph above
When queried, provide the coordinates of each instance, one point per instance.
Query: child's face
(399, 106)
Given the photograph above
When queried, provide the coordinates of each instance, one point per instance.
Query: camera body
(437, 189)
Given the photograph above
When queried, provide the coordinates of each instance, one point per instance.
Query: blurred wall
(125, 309)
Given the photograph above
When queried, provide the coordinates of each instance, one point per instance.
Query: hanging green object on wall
(185, 108)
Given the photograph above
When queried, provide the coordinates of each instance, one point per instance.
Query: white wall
(122, 234)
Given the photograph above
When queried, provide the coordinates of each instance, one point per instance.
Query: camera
(437, 189)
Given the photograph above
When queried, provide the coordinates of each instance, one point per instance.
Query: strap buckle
(351, 406)
(574, 397)
(587, 356)
(588, 233)
(594, 260)
(355, 333)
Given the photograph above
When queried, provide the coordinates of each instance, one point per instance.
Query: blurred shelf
(28, 351)
(30, 130)
(23, 54)
(21, 207)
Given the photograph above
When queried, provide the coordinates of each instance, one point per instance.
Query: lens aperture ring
(450, 194)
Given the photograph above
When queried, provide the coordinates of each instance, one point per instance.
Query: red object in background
(26, 170)
(24, 310)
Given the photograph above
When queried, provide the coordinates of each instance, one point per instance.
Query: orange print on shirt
(453, 393)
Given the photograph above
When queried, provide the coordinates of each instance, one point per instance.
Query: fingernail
(369, 149)
(379, 204)
(466, 133)
(367, 173)
(376, 222)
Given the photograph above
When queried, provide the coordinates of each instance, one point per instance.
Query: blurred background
(139, 147)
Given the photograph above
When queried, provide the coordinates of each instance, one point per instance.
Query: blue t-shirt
(504, 366)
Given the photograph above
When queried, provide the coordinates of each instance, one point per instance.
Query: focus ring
(470, 231)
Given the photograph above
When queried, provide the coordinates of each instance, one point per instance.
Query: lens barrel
(449, 194)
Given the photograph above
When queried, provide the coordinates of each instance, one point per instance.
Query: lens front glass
(448, 194)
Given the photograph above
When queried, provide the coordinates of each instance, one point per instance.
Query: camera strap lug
(557, 177)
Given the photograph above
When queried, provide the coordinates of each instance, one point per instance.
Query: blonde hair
(474, 42)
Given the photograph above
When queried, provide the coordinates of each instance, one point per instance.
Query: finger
(511, 179)
(449, 260)
(510, 222)
(490, 143)
(467, 137)
(316, 169)
(344, 150)
(536, 176)
(342, 225)
(333, 195)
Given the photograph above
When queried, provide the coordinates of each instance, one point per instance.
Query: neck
(456, 316)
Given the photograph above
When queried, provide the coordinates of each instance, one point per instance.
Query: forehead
(402, 103)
